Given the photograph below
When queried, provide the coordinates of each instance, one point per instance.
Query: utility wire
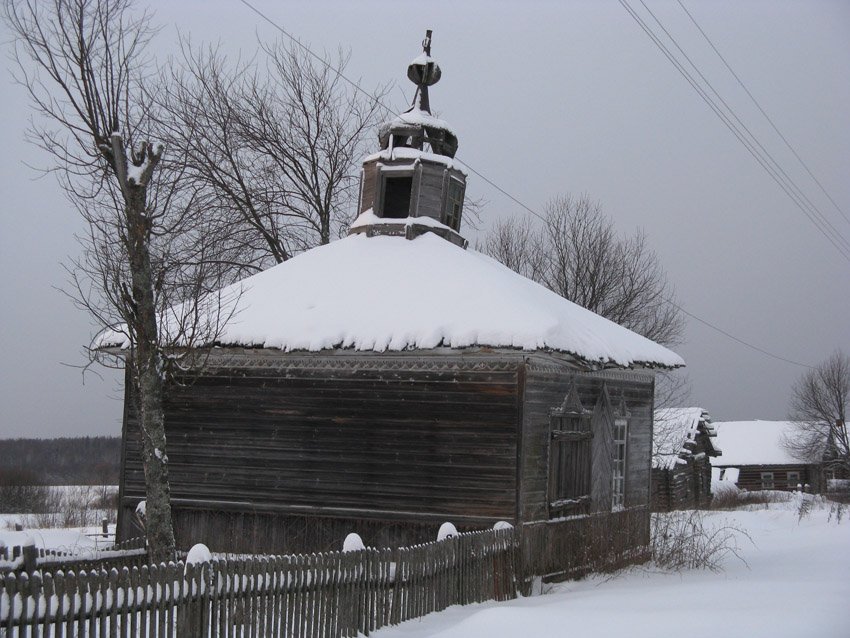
(766, 116)
(841, 243)
(360, 89)
(527, 208)
(775, 166)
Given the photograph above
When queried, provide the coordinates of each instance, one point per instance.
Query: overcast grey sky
(547, 98)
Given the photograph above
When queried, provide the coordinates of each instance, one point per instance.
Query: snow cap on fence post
(199, 553)
(447, 530)
(502, 525)
(353, 543)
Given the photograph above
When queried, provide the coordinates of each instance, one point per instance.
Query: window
(569, 458)
(793, 479)
(396, 201)
(618, 480)
(454, 203)
(767, 480)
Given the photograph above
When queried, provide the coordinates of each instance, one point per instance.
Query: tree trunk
(148, 373)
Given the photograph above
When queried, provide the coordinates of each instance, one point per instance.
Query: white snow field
(796, 583)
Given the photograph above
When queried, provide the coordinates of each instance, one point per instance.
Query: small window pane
(618, 481)
(454, 204)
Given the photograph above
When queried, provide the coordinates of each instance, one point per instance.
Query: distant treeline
(89, 460)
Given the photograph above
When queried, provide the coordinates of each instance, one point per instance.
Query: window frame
(619, 466)
(394, 172)
(452, 218)
(768, 481)
(569, 478)
(795, 482)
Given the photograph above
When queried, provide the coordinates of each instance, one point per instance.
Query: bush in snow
(686, 540)
(447, 530)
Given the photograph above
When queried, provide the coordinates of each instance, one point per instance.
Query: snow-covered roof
(418, 118)
(753, 443)
(674, 435)
(404, 152)
(390, 293)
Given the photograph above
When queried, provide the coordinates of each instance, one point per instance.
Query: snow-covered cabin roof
(674, 435)
(753, 443)
(390, 293)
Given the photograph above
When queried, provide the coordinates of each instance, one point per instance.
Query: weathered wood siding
(750, 478)
(684, 486)
(547, 381)
(383, 438)
(368, 185)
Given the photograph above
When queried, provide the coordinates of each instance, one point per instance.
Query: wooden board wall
(401, 438)
(749, 477)
(546, 384)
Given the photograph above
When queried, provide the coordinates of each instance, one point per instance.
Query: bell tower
(413, 185)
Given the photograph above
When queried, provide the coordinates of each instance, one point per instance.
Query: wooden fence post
(30, 555)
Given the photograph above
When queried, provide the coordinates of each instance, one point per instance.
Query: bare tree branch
(577, 253)
(145, 267)
(819, 401)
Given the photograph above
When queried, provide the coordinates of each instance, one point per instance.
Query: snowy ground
(796, 583)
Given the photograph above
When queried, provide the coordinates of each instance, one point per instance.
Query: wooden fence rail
(132, 552)
(316, 595)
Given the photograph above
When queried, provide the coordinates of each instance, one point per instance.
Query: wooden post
(30, 554)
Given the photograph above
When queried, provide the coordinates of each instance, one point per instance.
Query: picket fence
(316, 595)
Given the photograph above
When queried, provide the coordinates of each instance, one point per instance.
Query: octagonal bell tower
(413, 185)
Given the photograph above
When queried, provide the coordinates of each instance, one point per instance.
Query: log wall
(547, 382)
(267, 442)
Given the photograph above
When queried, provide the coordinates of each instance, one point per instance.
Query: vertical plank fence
(304, 596)
(335, 594)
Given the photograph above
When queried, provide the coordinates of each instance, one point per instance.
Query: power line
(360, 89)
(840, 243)
(766, 116)
(527, 208)
(786, 179)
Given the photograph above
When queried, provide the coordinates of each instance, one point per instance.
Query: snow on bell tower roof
(417, 126)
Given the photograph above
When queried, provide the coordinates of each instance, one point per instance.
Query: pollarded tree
(577, 253)
(144, 267)
(819, 403)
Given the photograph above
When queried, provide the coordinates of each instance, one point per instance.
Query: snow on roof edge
(317, 302)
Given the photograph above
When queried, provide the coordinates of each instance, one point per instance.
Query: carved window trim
(570, 453)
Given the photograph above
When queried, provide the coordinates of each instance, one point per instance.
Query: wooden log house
(755, 451)
(394, 380)
(682, 449)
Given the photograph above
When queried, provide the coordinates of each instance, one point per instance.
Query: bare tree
(819, 402)
(577, 253)
(273, 146)
(144, 272)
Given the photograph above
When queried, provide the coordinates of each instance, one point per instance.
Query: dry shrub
(685, 540)
(733, 499)
(23, 491)
(75, 506)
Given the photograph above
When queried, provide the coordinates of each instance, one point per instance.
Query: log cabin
(395, 379)
(755, 453)
(682, 446)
